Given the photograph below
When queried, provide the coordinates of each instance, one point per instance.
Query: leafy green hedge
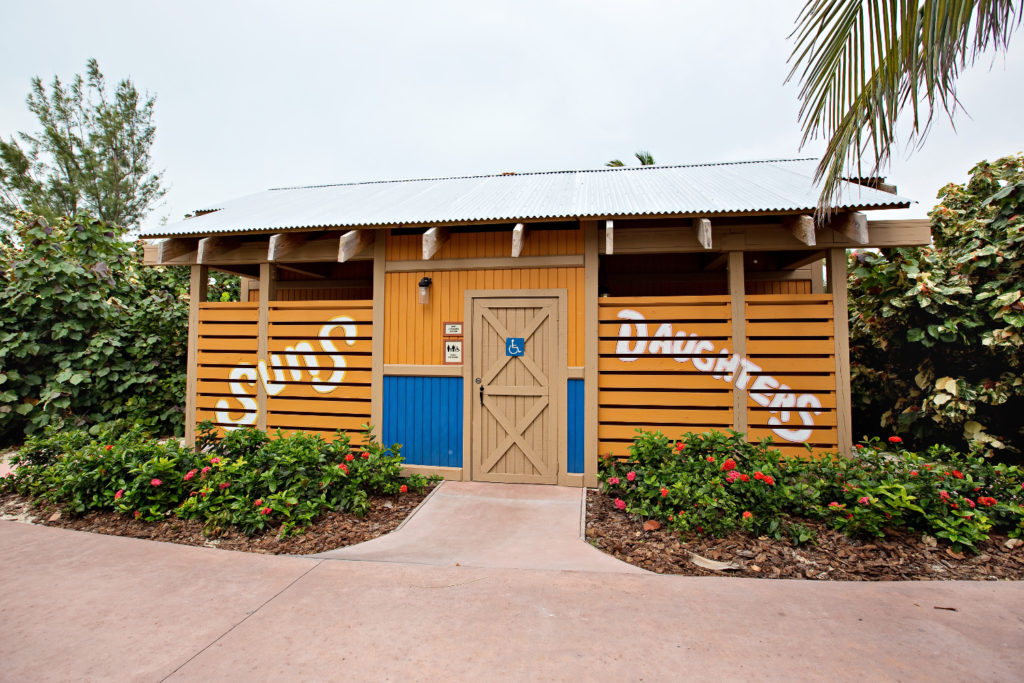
(245, 480)
(714, 483)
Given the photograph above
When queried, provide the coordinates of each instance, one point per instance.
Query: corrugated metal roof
(707, 189)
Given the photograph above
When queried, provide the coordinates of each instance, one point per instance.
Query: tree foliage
(862, 63)
(936, 332)
(87, 334)
(645, 158)
(91, 154)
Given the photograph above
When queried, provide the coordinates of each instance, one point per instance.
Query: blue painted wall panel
(575, 417)
(424, 414)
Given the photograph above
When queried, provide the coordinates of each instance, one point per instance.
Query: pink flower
(117, 496)
(748, 514)
(834, 504)
(732, 476)
(945, 496)
(631, 476)
(204, 471)
(619, 503)
(343, 467)
(225, 485)
(215, 461)
(137, 514)
(265, 511)
(403, 489)
(864, 500)
(613, 480)
(664, 491)
(970, 502)
(155, 482)
(190, 474)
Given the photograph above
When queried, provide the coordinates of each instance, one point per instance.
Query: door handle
(481, 394)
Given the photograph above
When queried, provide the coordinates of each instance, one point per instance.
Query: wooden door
(515, 400)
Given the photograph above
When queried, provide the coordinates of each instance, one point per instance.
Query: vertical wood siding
(679, 376)
(778, 287)
(424, 414)
(488, 245)
(575, 425)
(318, 371)
(412, 331)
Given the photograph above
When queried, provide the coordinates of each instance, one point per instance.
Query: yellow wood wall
(495, 244)
(412, 331)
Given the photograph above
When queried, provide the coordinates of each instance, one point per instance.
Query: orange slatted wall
(666, 364)
(318, 374)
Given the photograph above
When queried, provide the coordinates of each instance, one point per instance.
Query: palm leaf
(861, 63)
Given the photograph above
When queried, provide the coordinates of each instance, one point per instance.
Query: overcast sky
(252, 95)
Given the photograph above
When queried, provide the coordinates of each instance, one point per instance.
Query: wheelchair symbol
(514, 346)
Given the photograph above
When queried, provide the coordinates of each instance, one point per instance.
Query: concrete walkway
(80, 606)
(475, 524)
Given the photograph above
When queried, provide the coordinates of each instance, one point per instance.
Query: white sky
(252, 95)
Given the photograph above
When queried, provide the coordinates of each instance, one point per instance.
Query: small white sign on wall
(452, 329)
(453, 352)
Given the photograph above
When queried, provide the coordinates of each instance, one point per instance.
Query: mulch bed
(900, 556)
(329, 531)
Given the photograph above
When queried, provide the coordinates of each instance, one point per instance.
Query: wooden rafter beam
(802, 228)
(518, 239)
(352, 243)
(433, 240)
(174, 247)
(283, 245)
(702, 226)
(717, 262)
(243, 271)
(853, 226)
(801, 259)
(308, 272)
(211, 248)
(609, 237)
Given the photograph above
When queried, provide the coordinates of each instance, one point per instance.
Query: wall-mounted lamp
(423, 295)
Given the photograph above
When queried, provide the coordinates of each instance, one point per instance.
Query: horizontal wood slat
(666, 416)
(702, 328)
(667, 398)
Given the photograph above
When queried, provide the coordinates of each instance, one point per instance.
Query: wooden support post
(377, 341)
(738, 301)
(243, 289)
(518, 239)
(802, 228)
(268, 292)
(702, 226)
(198, 283)
(836, 266)
(853, 226)
(352, 243)
(609, 237)
(591, 261)
(433, 240)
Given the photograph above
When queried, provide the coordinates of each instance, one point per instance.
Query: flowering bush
(244, 480)
(714, 483)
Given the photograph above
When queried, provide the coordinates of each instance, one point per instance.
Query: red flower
(680, 446)
(364, 455)
(349, 457)
(768, 479)
(266, 511)
(859, 446)
(259, 501)
(343, 467)
(834, 504)
(987, 501)
(864, 500)
(619, 503)
(969, 502)
(204, 471)
(748, 514)
(630, 476)
(215, 461)
(729, 464)
(117, 496)
(664, 491)
(225, 485)
(954, 506)
(155, 482)
(744, 477)
(958, 474)
(945, 496)
(913, 473)
(403, 489)
(137, 514)
(710, 459)
(850, 516)
(758, 475)
(190, 474)
(107, 447)
(194, 493)
(895, 439)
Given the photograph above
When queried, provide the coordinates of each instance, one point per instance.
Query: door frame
(558, 379)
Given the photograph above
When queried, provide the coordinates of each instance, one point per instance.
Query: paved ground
(87, 607)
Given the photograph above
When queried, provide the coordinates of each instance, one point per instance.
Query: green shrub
(714, 483)
(245, 480)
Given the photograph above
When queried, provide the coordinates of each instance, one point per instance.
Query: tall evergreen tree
(91, 154)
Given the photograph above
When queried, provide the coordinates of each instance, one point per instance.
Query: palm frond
(645, 158)
(861, 63)
(615, 163)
